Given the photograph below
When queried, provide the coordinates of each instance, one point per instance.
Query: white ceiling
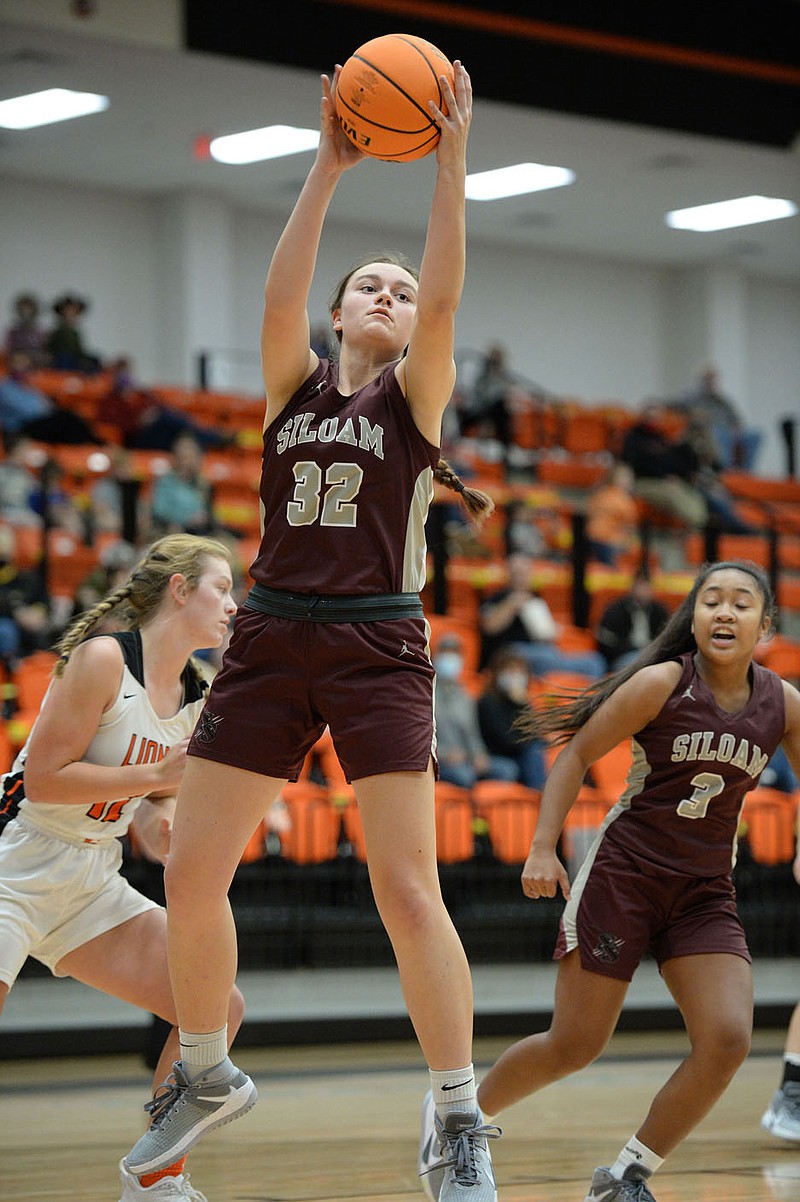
(162, 101)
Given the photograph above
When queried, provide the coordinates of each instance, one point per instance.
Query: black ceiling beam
(723, 68)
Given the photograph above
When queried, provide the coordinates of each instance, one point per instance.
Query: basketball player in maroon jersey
(703, 719)
(333, 633)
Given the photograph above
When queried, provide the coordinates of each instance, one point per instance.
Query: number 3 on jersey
(706, 786)
(342, 483)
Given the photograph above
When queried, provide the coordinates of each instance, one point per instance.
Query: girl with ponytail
(105, 755)
(703, 719)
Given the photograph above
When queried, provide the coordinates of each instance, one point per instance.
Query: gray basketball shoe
(183, 1112)
(455, 1163)
(632, 1187)
(431, 1169)
(782, 1116)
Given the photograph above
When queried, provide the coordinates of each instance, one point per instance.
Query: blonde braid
(77, 632)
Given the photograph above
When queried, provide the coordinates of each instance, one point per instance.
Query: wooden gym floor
(340, 1122)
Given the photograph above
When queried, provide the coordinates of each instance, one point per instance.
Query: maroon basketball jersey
(692, 766)
(345, 489)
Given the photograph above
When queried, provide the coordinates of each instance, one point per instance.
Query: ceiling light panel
(729, 214)
(516, 180)
(48, 107)
(255, 145)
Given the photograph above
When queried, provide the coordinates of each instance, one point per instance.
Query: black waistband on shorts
(321, 607)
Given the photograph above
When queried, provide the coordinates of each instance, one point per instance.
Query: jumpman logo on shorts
(404, 650)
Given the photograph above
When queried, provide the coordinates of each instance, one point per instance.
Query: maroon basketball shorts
(621, 907)
(284, 680)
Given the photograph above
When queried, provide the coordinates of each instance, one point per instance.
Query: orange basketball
(383, 92)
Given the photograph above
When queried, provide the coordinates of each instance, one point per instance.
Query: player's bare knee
(409, 911)
(726, 1046)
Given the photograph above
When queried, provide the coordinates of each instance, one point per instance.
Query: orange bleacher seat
(586, 431)
(564, 683)
(7, 752)
(69, 562)
(313, 834)
(455, 839)
(537, 427)
(789, 593)
(571, 473)
(27, 545)
(610, 772)
(31, 677)
(575, 638)
(582, 823)
(29, 683)
(255, 849)
(782, 655)
(510, 811)
(768, 822)
(761, 488)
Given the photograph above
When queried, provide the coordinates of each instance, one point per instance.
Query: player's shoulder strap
(130, 642)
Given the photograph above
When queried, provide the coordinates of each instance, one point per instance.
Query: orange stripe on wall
(581, 39)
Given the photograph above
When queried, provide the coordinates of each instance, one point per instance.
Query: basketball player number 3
(342, 482)
(706, 786)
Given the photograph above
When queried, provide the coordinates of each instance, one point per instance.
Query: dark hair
(477, 503)
(562, 715)
(503, 657)
(396, 260)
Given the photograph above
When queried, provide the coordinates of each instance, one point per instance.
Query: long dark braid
(477, 503)
(558, 717)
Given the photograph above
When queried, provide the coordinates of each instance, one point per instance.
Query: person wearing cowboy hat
(65, 341)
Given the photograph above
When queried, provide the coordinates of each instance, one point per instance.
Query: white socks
(202, 1051)
(635, 1152)
(454, 1089)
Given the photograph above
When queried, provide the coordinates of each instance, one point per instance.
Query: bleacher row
(571, 446)
(494, 818)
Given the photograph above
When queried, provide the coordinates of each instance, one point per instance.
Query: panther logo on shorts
(607, 948)
(206, 729)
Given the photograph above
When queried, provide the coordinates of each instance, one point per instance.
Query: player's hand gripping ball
(382, 96)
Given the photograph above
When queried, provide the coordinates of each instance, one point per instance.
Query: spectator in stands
(181, 499)
(488, 406)
(502, 702)
(737, 445)
(523, 534)
(18, 484)
(25, 623)
(520, 618)
(144, 421)
(25, 332)
(25, 408)
(612, 516)
(664, 468)
(722, 509)
(629, 623)
(460, 749)
(65, 345)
